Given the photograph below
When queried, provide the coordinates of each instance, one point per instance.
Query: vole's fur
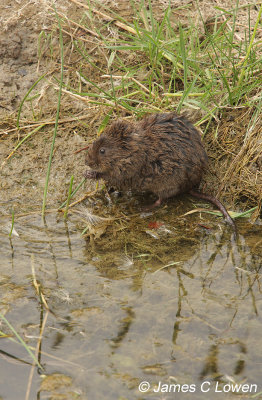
(162, 153)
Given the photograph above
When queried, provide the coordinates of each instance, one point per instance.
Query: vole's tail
(218, 204)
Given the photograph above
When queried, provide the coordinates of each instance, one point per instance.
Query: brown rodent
(162, 154)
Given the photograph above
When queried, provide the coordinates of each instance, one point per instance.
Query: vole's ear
(119, 129)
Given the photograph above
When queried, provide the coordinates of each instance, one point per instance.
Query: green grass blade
(69, 196)
(57, 113)
(21, 341)
(243, 68)
(72, 195)
(25, 138)
(24, 99)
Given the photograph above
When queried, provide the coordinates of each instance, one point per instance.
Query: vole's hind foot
(157, 203)
(152, 206)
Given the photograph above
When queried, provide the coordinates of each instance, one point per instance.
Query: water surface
(153, 299)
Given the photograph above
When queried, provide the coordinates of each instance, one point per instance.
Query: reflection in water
(124, 326)
(211, 367)
(177, 306)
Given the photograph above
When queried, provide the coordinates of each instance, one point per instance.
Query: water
(151, 300)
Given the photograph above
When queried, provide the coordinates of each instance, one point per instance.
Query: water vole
(162, 154)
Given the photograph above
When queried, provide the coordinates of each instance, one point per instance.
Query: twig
(36, 284)
(35, 124)
(79, 26)
(107, 17)
(78, 201)
(77, 96)
(133, 79)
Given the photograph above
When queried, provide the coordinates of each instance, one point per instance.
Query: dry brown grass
(236, 158)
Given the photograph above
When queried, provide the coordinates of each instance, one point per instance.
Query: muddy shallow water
(184, 311)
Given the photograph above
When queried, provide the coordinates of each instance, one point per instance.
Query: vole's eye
(102, 151)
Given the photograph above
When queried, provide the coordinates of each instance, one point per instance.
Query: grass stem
(69, 196)
(21, 340)
(13, 221)
(72, 195)
(57, 112)
(243, 69)
(24, 99)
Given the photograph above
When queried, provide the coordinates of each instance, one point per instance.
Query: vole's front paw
(89, 174)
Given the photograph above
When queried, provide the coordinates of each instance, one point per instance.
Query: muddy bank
(29, 48)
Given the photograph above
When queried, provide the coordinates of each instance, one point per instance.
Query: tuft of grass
(152, 65)
(44, 44)
(245, 63)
